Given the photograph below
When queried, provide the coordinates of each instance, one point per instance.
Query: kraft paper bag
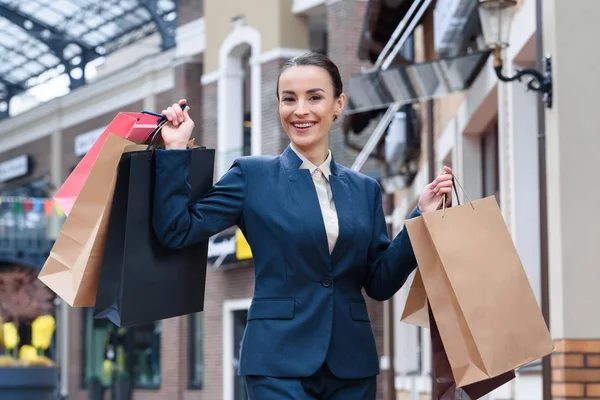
(73, 266)
(416, 309)
(445, 384)
(487, 315)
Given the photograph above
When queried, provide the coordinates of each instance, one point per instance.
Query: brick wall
(189, 87)
(189, 10)
(221, 285)
(208, 121)
(274, 138)
(576, 369)
(345, 22)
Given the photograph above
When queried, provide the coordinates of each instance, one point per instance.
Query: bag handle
(454, 182)
(155, 134)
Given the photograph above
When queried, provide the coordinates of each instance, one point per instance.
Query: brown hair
(317, 60)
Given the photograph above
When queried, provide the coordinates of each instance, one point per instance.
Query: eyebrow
(308, 91)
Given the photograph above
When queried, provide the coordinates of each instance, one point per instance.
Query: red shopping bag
(133, 126)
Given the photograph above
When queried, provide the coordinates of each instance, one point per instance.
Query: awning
(405, 84)
(381, 19)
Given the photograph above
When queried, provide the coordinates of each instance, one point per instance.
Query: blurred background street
(429, 83)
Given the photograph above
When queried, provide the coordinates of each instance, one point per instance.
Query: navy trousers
(323, 385)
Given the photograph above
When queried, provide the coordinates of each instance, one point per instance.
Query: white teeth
(307, 125)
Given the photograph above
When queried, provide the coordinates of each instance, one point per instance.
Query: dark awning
(381, 19)
(405, 84)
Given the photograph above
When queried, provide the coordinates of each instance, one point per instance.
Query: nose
(301, 108)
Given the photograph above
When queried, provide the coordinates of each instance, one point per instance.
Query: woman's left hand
(433, 193)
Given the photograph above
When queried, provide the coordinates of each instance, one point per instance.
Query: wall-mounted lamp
(496, 17)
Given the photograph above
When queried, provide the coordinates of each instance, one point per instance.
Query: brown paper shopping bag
(416, 309)
(444, 379)
(487, 315)
(73, 267)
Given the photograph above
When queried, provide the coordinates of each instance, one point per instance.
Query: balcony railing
(25, 229)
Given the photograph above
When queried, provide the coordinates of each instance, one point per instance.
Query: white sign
(222, 247)
(85, 141)
(14, 168)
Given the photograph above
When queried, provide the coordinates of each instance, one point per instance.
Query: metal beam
(55, 39)
(48, 34)
(166, 28)
(383, 62)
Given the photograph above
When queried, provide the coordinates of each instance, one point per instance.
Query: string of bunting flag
(19, 205)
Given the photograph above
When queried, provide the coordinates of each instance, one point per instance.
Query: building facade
(225, 63)
(505, 141)
(499, 139)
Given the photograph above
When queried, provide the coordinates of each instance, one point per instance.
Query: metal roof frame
(42, 39)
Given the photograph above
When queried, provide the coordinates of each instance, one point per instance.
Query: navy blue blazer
(308, 306)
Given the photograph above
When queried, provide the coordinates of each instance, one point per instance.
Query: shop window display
(196, 366)
(111, 353)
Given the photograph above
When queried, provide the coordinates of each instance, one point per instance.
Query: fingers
(443, 177)
(175, 114)
(443, 187)
(178, 114)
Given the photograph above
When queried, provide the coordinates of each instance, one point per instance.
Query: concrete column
(523, 179)
(63, 322)
(573, 144)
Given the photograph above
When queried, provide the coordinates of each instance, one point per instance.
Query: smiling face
(308, 106)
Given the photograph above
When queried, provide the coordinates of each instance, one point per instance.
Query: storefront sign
(14, 168)
(85, 141)
(231, 246)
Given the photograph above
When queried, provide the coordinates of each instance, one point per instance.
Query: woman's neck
(316, 155)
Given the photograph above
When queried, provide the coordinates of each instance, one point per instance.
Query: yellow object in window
(242, 248)
(42, 330)
(11, 337)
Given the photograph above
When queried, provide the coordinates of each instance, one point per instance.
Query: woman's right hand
(177, 132)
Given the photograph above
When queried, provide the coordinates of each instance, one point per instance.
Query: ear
(340, 102)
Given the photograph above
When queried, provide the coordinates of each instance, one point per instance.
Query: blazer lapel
(343, 206)
(307, 202)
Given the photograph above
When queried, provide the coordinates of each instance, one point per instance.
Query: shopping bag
(136, 127)
(445, 384)
(486, 312)
(416, 309)
(73, 266)
(141, 280)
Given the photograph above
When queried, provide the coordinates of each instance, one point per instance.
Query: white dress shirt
(320, 175)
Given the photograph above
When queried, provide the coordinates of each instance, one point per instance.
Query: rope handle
(444, 199)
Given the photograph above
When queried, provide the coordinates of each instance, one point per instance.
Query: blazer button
(326, 282)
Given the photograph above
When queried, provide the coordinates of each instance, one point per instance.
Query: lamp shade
(496, 17)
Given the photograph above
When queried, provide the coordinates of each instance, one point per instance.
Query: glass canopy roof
(41, 39)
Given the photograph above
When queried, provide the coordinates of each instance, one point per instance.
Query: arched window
(239, 97)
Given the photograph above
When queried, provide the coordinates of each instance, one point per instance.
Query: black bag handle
(156, 132)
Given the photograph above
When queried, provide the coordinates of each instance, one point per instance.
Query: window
(196, 352)
(490, 170)
(317, 33)
(247, 103)
(109, 351)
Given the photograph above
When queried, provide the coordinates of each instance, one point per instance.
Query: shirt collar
(306, 164)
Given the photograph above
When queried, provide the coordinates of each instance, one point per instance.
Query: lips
(303, 125)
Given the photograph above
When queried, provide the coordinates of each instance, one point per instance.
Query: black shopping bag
(140, 280)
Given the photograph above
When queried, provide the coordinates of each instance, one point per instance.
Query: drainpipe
(545, 298)
(432, 175)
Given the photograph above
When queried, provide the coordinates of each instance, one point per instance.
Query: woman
(318, 236)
